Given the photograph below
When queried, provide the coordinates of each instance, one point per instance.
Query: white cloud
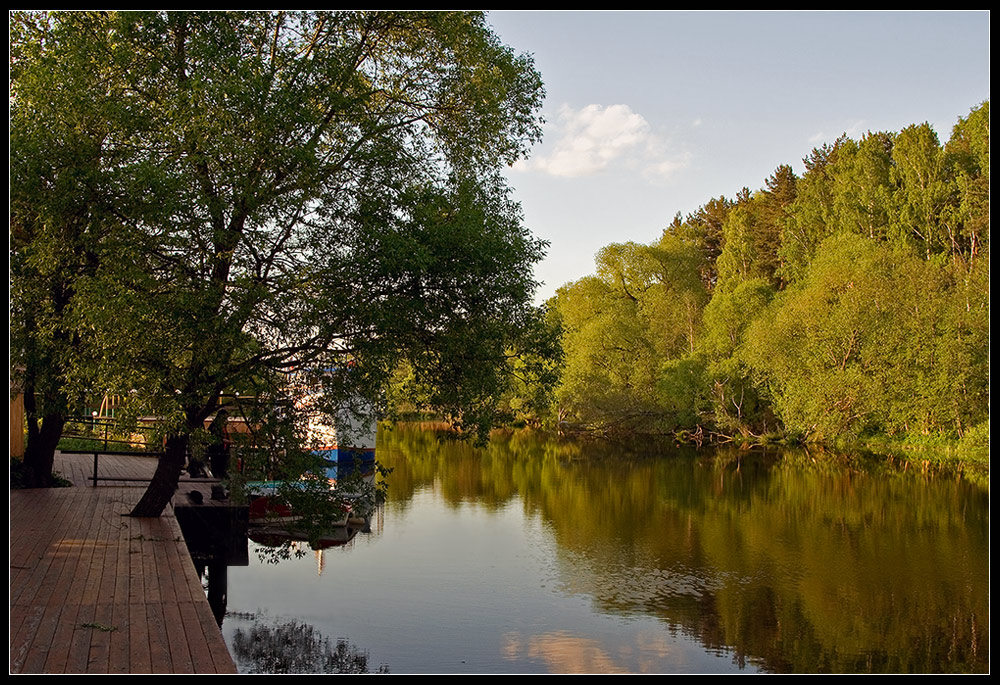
(591, 139)
(667, 167)
(855, 128)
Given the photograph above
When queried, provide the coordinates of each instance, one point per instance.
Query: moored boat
(345, 441)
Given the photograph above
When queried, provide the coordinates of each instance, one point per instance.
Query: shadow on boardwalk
(94, 591)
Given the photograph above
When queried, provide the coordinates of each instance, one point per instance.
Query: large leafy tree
(66, 136)
(643, 306)
(302, 189)
(862, 187)
(704, 229)
(875, 338)
(967, 223)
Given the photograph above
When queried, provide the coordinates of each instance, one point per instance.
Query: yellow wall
(17, 426)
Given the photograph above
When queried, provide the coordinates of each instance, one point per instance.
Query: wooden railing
(130, 479)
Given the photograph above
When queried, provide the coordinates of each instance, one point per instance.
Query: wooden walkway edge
(95, 591)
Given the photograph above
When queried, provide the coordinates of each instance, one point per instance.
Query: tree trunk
(164, 483)
(40, 450)
(39, 453)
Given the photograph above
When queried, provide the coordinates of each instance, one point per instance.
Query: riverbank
(968, 457)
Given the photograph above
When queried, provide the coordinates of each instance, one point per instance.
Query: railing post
(95, 469)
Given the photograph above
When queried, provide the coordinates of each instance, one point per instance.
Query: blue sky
(653, 113)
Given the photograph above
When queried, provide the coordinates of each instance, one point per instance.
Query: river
(538, 555)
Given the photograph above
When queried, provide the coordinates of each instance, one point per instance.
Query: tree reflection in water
(293, 647)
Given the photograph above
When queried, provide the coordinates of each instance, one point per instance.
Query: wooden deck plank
(198, 646)
(38, 650)
(106, 579)
(22, 639)
(100, 640)
(187, 583)
(78, 655)
(33, 560)
(136, 579)
(52, 594)
(163, 559)
(86, 548)
(118, 642)
(184, 585)
(92, 591)
(159, 639)
(120, 593)
(94, 573)
(139, 660)
(58, 652)
(155, 534)
(77, 551)
(180, 655)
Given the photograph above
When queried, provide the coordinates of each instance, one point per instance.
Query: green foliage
(863, 190)
(682, 387)
(730, 312)
(257, 191)
(644, 306)
(59, 144)
(977, 440)
(277, 451)
(736, 404)
(875, 339)
(753, 231)
(811, 217)
(923, 188)
(610, 367)
(967, 223)
(704, 229)
(535, 370)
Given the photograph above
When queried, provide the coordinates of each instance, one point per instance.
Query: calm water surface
(538, 555)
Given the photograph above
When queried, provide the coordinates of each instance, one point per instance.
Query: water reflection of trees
(293, 647)
(795, 561)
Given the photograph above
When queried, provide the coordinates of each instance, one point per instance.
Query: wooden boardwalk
(94, 591)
